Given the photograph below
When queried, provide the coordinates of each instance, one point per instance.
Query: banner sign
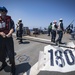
(56, 58)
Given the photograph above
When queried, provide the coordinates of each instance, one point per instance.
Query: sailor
(20, 31)
(49, 29)
(53, 31)
(60, 31)
(17, 30)
(6, 40)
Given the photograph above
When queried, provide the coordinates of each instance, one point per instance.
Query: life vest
(53, 27)
(59, 27)
(5, 24)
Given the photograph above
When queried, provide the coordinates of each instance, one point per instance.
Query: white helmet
(54, 21)
(20, 19)
(60, 19)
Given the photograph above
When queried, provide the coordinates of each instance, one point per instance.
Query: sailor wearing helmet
(20, 31)
(53, 32)
(60, 31)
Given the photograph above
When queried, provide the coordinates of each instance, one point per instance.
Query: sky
(39, 13)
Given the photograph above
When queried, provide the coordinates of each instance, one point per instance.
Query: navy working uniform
(20, 31)
(60, 31)
(53, 31)
(6, 40)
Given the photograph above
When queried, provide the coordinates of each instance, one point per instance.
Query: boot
(13, 69)
(4, 64)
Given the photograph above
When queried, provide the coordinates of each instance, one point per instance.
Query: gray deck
(26, 54)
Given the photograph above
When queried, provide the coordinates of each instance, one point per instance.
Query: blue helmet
(3, 9)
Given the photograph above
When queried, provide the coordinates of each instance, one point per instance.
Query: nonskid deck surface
(27, 54)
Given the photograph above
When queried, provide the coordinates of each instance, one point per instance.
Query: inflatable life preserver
(4, 24)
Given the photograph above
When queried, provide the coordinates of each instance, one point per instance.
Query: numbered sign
(58, 59)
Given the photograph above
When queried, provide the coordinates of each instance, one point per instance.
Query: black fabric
(2, 49)
(56, 26)
(20, 32)
(61, 26)
(12, 25)
(7, 49)
(10, 49)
